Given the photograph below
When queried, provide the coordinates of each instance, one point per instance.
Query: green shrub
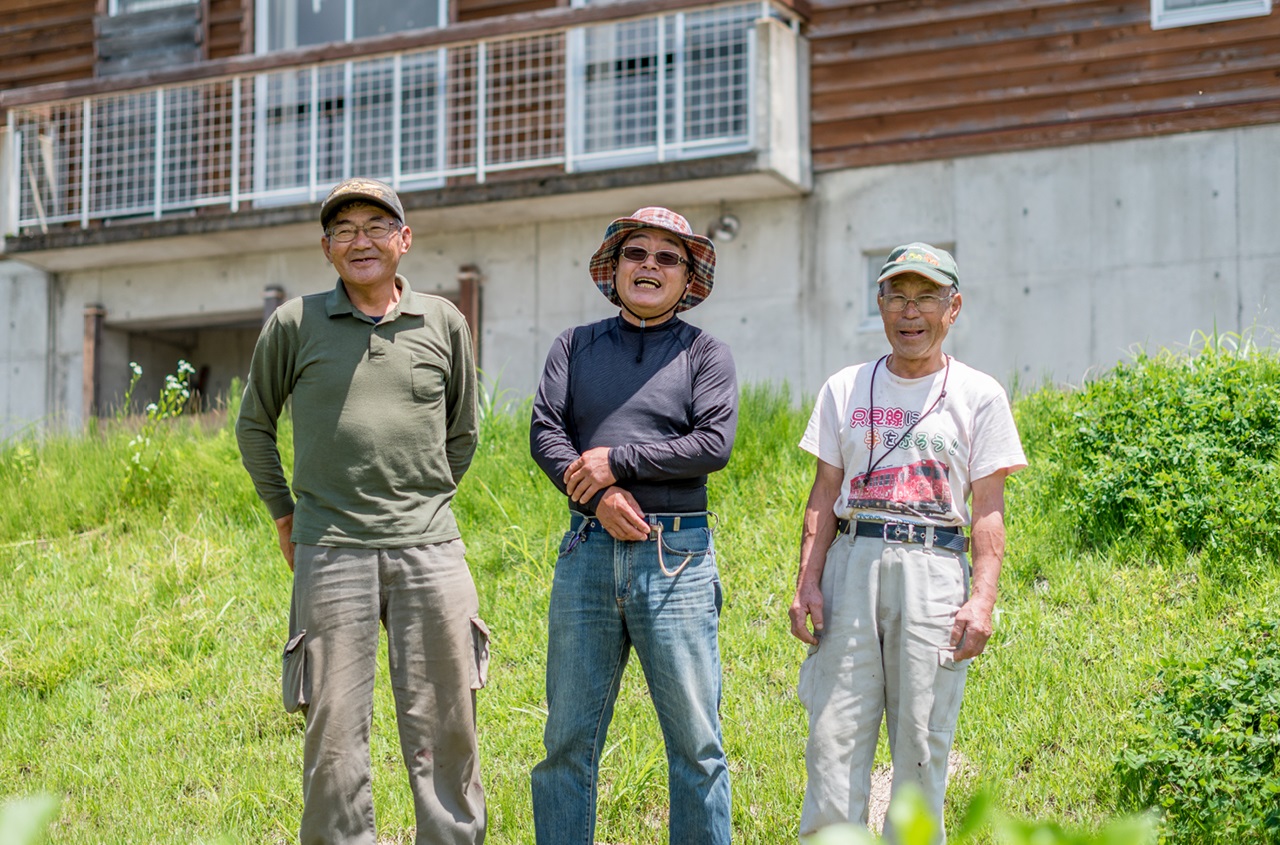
(1207, 748)
(1169, 455)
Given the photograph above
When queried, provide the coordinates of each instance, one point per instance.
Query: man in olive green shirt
(383, 388)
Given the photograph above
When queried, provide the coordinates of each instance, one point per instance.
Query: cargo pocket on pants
(948, 690)
(294, 683)
(480, 651)
(806, 680)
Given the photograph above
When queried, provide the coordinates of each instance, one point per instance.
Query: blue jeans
(607, 597)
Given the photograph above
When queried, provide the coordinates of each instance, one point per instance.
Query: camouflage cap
(361, 190)
(934, 264)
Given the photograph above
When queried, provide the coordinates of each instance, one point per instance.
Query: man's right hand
(621, 516)
(284, 528)
(806, 605)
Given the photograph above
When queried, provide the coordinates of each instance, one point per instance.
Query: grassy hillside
(142, 613)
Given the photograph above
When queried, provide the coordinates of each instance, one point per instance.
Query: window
(1171, 13)
(286, 24)
(128, 7)
(351, 107)
(874, 261)
(662, 88)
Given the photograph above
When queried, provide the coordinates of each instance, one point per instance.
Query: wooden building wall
(906, 80)
(53, 40)
(228, 28)
(45, 41)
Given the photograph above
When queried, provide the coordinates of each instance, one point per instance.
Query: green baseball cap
(361, 190)
(934, 264)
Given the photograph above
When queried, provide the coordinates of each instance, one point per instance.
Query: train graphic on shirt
(923, 487)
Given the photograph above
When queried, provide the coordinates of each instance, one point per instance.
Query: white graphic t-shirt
(922, 451)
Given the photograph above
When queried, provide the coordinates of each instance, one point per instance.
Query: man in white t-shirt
(911, 449)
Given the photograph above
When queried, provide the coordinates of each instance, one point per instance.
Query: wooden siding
(45, 41)
(228, 28)
(905, 80)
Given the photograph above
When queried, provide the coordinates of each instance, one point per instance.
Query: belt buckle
(898, 530)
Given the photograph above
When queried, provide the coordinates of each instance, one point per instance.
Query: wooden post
(204, 9)
(89, 397)
(469, 279)
(272, 298)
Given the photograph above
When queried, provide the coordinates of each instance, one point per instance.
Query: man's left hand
(589, 474)
(972, 629)
(621, 516)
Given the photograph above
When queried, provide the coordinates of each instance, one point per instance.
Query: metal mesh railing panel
(122, 162)
(524, 118)
(49, 163)
(716, 86)
(420, 116)
(636, 90)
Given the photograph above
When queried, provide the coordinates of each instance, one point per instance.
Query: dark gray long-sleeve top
(668, 418)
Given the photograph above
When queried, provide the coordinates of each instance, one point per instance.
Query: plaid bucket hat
(702, 253)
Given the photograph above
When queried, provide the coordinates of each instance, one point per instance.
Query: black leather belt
(906, 532)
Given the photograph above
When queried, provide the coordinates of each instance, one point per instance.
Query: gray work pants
(438, 650)
(884, 655)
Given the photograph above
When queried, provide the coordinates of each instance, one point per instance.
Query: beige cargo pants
(884, 653)
(438, 653)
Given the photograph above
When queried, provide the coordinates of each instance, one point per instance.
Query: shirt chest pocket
(428, 379)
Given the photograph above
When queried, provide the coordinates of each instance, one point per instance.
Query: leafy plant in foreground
(25, 821)
(1207, 751)
(914, 825)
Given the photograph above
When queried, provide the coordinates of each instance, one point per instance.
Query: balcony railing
(642, 90)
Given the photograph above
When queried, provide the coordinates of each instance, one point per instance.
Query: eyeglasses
(345, 233)
(927, 304)
(664, 257)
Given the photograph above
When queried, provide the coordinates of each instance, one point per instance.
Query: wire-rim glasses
(345, 233)
(929, 303)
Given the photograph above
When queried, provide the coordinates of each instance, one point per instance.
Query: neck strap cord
(871, 447)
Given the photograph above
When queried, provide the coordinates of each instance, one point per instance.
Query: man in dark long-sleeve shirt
(630, 417)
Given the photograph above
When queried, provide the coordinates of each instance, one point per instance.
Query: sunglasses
(664, 257)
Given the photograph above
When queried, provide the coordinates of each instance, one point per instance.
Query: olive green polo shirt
(384, 418)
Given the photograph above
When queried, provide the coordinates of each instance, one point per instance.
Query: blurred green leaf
(25, 820)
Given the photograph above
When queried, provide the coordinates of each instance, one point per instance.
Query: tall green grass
(139, 642)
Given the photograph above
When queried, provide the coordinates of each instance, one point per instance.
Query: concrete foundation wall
(1068, 258)
(24, 348)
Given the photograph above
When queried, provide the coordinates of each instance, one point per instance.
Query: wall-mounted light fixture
(724, 228)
